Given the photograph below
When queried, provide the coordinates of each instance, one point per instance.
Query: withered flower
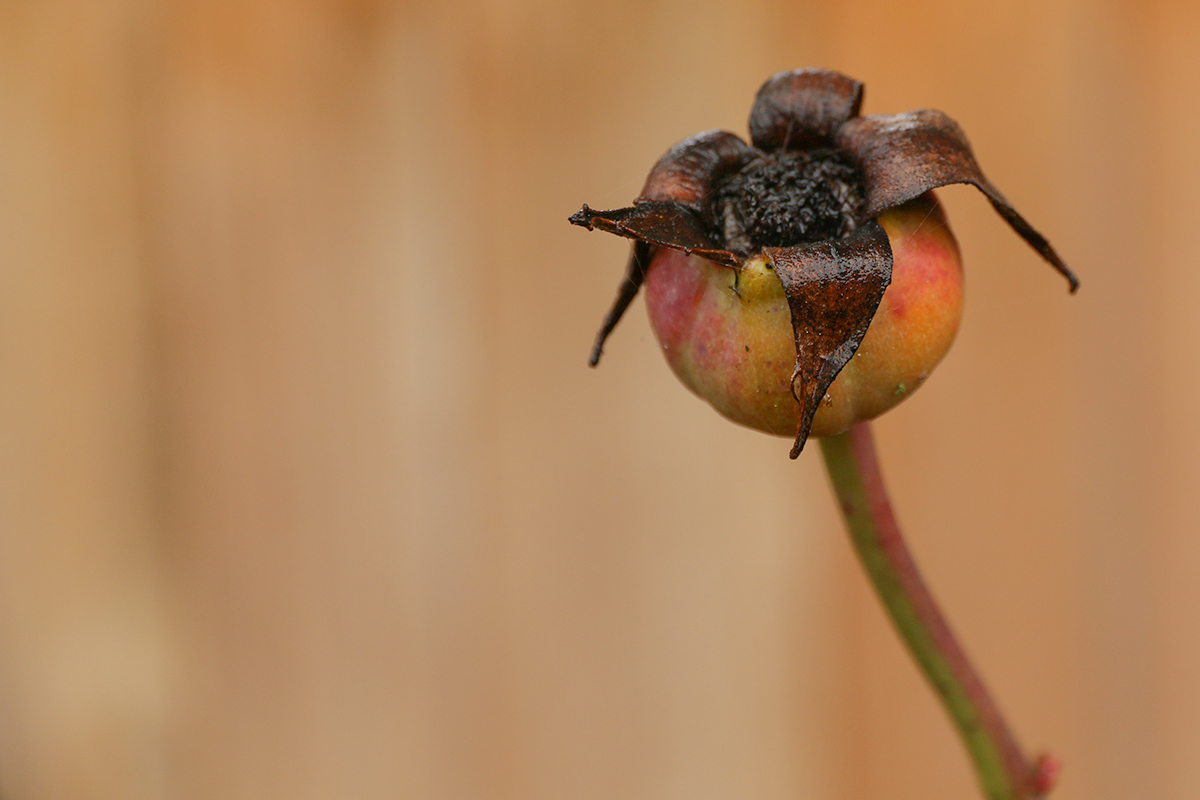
(810, 226)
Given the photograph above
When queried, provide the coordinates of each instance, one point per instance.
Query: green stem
(1003, 770)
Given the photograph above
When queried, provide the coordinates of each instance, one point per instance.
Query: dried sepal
(691, 170)
(662, 224)
(665, 224)
(635, 275)
(902, 156)
(833, 290)
(803, 108)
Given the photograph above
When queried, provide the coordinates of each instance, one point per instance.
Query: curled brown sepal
(833, 289)
(690, 170)
(902, 156)
(635, 274)
(665, 224)
(652, 222)
(803, 108)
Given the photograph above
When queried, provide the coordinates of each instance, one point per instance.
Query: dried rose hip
(810, 281)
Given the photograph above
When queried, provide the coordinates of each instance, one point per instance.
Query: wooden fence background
(306, 491)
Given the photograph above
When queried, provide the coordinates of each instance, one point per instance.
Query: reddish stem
(1003, 770)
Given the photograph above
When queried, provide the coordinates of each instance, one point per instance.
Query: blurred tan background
(307, 492)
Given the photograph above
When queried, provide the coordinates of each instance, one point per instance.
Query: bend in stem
(1003, 771)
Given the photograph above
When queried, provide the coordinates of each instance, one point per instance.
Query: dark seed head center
(789, 198)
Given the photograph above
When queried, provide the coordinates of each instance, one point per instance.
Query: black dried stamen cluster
(789, 198)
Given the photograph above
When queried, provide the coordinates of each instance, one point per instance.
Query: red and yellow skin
(728, 334)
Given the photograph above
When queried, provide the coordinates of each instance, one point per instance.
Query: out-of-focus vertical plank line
(452, 355)
(1113, 366)
(1166, 410)
(81, 659)
(328, 370)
